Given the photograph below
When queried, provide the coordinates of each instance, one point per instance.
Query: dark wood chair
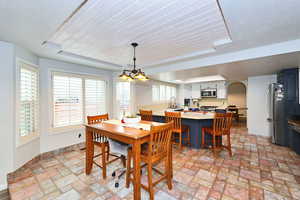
(178, 128)
(146, 115)
(102, 142)
(158, 149)
(221, 126)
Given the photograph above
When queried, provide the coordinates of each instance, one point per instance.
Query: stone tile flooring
(257, 170)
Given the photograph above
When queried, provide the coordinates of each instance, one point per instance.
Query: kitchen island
(195, 120)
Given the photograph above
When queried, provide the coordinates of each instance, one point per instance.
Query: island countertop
(189, 115)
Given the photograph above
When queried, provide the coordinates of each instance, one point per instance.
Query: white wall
(258, 104)
(7, 111)
(12, 156)
(50, 140)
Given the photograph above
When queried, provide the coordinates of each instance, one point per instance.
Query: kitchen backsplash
(211, 102)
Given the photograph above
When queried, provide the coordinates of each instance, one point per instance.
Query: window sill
(65, 129)
(23, 140)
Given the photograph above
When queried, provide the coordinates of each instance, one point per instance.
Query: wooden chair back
(160, 139)
(222, 123)
(229, 117)
(146, 115)
(219, 123)
(96, 120)
(175, 117)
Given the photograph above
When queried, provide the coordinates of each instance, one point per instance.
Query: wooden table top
(123, 129)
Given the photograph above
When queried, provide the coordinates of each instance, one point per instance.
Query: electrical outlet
(79, 135)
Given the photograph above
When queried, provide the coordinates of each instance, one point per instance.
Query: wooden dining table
(116, 130)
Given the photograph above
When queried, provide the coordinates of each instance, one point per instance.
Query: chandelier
(134, 74)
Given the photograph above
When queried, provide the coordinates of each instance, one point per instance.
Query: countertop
(294, 124)
(189, 115)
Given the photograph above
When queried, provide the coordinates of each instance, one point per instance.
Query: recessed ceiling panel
(164, 29)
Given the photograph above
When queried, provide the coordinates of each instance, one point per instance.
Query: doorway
(237, 98)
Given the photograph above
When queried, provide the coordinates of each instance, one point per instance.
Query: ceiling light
(134, 74)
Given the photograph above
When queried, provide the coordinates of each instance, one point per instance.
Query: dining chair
(146, 115)
(156, 150)
(103, 142)
(221, 126)
(178, 128)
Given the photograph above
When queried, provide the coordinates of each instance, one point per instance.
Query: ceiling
(104, 29)
(174, 36)
(236, 71)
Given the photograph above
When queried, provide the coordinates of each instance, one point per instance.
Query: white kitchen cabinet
(187, 91)
(221, 90)
(196, 91)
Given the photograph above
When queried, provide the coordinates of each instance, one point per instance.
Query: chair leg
(150, 184)
(128, 166)
(180, 141)
(103, 161)
(203, 138)
(123, 159)
(168, 172)
(229, 145)
(214, 145)
(108, 151)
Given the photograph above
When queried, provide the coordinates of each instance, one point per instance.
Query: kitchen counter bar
(195, 120)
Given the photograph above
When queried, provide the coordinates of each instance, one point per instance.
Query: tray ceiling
(104, 30)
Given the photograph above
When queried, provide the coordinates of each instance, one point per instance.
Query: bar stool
(158, 148)
(103, 142)
(178, 128)
(146, 115)
(221, 126)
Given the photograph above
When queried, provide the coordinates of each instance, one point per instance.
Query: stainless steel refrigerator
(276, 113)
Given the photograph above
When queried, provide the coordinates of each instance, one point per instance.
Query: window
(67, 98)
(123, 98)
(75, 97)
(162, 93)
(155, 93)
(29, 101)
(95, 103)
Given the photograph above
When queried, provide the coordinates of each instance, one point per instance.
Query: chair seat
(184, 128)
(118, 147)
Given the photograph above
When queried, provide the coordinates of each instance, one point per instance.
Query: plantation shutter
(123, 97)
(95, 103)
(155, 93)
(29, 100)
(67, 99)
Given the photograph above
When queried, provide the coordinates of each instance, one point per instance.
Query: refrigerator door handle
(269, 119)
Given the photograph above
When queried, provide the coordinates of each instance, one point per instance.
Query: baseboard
(3, 187)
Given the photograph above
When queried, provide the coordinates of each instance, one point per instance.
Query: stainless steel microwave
(209, 93)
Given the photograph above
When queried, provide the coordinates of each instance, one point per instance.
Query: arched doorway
(237, 97)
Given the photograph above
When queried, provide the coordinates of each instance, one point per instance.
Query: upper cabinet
(196, 91)
(193, 91)
(221, 90)
(187, 91)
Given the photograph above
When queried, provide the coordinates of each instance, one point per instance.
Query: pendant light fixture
(134, 74)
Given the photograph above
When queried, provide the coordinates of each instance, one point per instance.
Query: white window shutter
(123, 97)
(162, 93)
(67, 100)
(95, 93)
(29, 100)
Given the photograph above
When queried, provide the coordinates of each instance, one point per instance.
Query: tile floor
(258, 170)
